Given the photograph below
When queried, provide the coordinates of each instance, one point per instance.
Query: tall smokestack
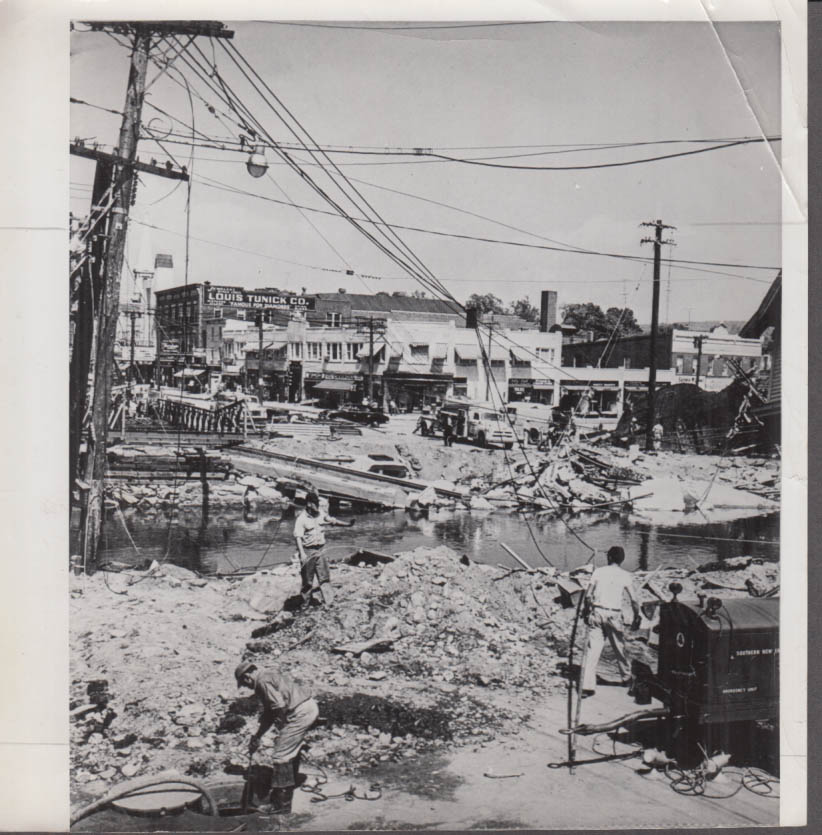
(547, 310)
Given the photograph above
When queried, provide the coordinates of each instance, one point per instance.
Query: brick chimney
(547, 310)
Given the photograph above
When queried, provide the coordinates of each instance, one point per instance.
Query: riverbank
(466, 659)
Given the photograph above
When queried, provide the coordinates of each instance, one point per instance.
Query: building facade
(705, 358)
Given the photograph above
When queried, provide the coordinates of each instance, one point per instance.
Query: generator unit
(719, 661)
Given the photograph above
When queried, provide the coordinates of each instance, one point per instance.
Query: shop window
(314, 350)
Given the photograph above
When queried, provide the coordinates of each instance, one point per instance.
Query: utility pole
(488, 367)
(123, 185)
(260, 317)
(698, 340)
(132, 316)
(658, 243)
(371, 326)
(370, 360)
(88, 300)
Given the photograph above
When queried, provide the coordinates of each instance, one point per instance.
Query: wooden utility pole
(698, 340)
(488, 370)
(87, 300)
(260, 319)
(123, 183)
(370, 360)
(132, 315)
(657, 242)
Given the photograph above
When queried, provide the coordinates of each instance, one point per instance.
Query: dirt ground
(439, 680)
(466, 683)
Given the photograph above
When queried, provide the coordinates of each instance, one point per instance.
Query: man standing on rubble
(310, 538)
(294, 710)
(602, 610)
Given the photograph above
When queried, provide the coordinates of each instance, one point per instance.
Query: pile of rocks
(237, 491)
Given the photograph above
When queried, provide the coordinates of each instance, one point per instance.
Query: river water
(226, 541)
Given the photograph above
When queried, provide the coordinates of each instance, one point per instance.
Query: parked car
(359, 414)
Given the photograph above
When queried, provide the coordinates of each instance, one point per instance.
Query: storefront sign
(170, 346)
(520, 381)
(249, 299)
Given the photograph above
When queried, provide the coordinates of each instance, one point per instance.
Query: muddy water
(227, 541)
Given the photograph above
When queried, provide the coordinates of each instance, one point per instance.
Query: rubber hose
(131, 786)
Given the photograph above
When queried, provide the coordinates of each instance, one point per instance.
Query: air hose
(132, 786)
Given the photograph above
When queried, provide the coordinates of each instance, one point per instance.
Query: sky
(528, 95)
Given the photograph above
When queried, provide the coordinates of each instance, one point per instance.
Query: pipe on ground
(131, 786)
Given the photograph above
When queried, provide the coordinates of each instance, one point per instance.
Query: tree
(489, 303)
(615, 322)
(419, 294)
(621, 320)
(525, 310)
(587, 317)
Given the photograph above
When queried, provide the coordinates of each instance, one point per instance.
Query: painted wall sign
(237, 297)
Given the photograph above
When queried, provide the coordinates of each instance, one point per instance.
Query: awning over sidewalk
(467, 352)
(335, 385)
(190, 372)
(364, 353)
(522, 354)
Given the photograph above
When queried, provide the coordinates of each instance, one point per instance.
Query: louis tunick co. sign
(255, 300)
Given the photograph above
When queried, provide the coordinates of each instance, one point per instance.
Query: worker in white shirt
(310, 539)
(602, 610)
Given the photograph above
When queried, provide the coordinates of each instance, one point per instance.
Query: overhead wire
(360, 200)
(225, 94)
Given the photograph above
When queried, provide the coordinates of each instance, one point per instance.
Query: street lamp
(257, 164)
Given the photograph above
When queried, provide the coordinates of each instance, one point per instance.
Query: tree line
(587, 316)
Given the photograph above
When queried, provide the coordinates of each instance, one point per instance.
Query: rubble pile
(425, 651)
(235, 491)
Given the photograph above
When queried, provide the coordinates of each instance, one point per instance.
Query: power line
(681, 263)
(232, 100)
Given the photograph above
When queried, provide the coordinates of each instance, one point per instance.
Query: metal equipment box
(720, 662)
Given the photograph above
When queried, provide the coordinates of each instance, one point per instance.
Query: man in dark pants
(310, 539)
(292, 707)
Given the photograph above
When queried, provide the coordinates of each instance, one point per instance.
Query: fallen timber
(333, 479)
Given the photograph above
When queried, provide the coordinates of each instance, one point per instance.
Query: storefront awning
(334, 385)
(590, 386)
(190, 372)
(439, 351)
(364, 353)
(467, 352)
(522, 354)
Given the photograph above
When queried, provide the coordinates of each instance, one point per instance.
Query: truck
(534, 421)
(477, 422)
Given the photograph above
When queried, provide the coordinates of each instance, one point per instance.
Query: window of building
(694, 366)
(680, 364)
(333, 319)
(546, 354)
(314, 350)
(352, 350)
(295, 350)
(419, 352)
(497, 363)
(333, 351)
